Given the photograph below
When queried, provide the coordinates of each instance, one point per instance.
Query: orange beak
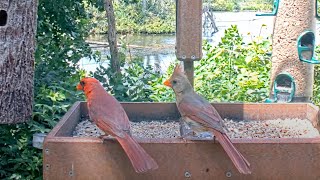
(167, 83)
(79, 87)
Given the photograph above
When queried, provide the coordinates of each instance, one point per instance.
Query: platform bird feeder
(69, 157)
(17, 47)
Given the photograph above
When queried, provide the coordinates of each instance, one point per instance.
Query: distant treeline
(152, 16)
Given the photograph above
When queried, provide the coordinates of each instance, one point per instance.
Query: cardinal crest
(178, 69)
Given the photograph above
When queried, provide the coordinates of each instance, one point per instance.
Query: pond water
(159, 51)
(155, 50)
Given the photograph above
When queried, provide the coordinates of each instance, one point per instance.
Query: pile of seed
(86, 128)
(279, 128)
(155, 129)
(143, 129)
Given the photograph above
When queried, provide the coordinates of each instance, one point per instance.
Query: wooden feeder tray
(67, 157)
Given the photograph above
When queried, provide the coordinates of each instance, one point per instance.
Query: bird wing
(109, 116)
(201, 111)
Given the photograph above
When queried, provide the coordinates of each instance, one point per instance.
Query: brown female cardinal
(201, 116)
(110, 117)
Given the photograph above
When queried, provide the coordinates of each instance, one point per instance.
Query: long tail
(236, 157)
(139, 158)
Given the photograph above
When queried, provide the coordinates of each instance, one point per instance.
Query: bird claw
(193, 138)
(105, 136)
(200, 137)
(187, 136)
(206, 135)
(182, 138)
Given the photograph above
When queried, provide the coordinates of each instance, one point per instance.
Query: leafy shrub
(134, 17)
(134, 84)
(18, 159)
(231, 71)
(222, 5)
(316, 84)
(260, 5)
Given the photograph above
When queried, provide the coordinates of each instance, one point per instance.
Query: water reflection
(159, 51)
(155, 50)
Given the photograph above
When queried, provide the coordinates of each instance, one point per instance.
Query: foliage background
(151, 16)
(231, 71)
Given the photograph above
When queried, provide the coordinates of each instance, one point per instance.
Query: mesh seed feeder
(293, 47)
(306, 44)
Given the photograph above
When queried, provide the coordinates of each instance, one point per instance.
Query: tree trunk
(112, 36)
(17, 46)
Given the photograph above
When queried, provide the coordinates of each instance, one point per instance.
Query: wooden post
(112, 36)
(17, 46)
(189, 33)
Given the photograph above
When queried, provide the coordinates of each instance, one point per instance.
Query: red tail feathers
(236, 157)
(139, 158)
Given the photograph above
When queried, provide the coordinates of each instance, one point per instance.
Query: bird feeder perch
(17, 46)
(189, 33)
(306, 45)
(274, 11)
(284, 88)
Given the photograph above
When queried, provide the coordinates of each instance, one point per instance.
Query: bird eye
(82, 83)
(174, 82)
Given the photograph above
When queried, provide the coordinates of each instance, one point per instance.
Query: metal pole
(189, 70)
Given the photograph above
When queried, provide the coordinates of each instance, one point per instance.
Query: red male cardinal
(109, 116)
(201, 116)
